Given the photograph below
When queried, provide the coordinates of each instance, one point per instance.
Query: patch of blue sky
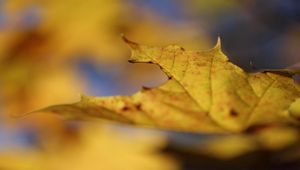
(170, 9)
(30, 16)
(102, 80)
(11, 139)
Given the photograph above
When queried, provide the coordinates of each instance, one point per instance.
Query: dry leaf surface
(205, 93)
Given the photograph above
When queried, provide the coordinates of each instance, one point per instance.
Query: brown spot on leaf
(138, 106)
(125, 108)
(146, 88)
(233, 113)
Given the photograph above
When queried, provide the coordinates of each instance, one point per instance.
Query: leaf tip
(22, 116)
(218, 44)
(18, 116)
(131, 44)
(145, 88)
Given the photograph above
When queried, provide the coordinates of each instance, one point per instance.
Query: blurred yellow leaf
(92, 27)
(98, 148)
(232, 146)
(24, 82)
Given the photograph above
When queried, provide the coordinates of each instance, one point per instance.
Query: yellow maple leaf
(205, 93)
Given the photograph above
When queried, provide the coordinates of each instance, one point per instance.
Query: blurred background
(52, 51)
